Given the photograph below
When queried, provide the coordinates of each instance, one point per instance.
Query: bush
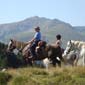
(3, 61)
(4, 78)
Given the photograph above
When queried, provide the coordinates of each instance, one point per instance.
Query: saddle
(40, 50)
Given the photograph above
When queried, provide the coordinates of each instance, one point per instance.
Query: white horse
(70, 54)
(82, 55)
(78, 48)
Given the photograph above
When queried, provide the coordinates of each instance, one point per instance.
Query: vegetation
(4, 78)
(2, 54)
(4, 59)
(40, 76)
(52, 76)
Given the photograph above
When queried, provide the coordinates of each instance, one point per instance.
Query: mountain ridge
(23, 30)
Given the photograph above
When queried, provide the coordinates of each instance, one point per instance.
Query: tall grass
(52, 76)
(4, 78)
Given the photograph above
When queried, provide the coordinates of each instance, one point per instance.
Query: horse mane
(19, 44)
(78, 44)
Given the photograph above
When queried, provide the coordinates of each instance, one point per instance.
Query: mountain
(80, 29)
(24, 30)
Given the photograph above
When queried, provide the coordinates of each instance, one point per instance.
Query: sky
(69, 11)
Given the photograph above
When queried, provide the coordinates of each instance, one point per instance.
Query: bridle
(11, 46)
(70, 46)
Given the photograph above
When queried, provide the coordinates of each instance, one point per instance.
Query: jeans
(32, 48)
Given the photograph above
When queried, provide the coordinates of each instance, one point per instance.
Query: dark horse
(48, 52)
(55, 54)
(7, 59)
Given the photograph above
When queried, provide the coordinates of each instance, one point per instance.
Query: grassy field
(41, 76)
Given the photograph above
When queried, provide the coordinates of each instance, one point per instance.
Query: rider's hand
(28, 42)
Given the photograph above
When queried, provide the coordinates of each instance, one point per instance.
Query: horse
(10, 60)
(16, 46)
(77, 51)
(48, 52)
(55, 55)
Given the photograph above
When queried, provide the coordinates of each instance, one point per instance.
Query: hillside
(80, 29)
(23, 30)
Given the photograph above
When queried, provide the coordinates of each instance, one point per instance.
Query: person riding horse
(57, 51)
(36, 49)
(34, 41)
(57, 44)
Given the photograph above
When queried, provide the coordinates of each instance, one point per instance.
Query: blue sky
(70, 11)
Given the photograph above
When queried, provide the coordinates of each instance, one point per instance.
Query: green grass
(52, 76)
(4, 78)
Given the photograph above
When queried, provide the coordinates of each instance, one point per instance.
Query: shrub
(4, 78)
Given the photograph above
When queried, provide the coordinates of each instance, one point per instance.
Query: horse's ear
(70, 41)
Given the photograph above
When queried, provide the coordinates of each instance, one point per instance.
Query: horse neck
(69, 49)
(20, 45)
(75, 45)
(78, 46)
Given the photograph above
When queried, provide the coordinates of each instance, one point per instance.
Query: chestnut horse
(24, 48)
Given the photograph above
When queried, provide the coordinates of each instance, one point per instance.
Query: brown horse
(25, 50)
(16, 44)
(55, 54)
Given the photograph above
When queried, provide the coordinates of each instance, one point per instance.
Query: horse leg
(76, 60)
(58, 62)
(29, 58)
(54, 61)
(29, 61)
(83, 60)
(25, 61)
(54, 64)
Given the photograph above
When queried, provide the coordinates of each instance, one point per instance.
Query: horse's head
(11, 45)
(69, 48)
(16, 44)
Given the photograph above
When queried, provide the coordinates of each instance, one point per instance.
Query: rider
(59, 45)
(34, 41)
(58, 41)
